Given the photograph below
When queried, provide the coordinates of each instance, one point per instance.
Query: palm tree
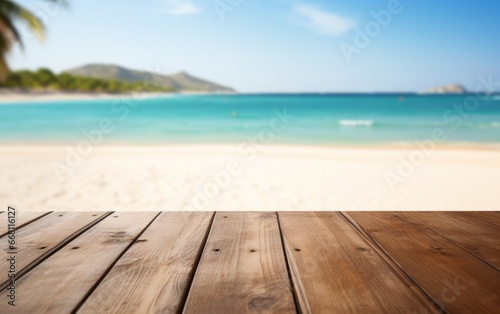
(12, 13)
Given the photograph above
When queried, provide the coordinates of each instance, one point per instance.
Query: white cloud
(180, 7)
(323, 22)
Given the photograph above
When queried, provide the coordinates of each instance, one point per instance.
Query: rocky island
(447, 89)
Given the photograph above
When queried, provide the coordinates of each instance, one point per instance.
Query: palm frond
(12, 13)
(9, 32)
(19, 13)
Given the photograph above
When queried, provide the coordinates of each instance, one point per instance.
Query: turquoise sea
(324, 119)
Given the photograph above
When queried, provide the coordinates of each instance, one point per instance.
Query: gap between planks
(29, 257)
(335, 269)
(98, 282)
(242, 268)
(443, 269)
(393, 263)
(73, 271)
(23, 219)
(156, 271)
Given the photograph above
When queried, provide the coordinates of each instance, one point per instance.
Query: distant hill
(181, 81)
(447, 89)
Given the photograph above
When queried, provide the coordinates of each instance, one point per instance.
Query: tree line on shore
(45, 80)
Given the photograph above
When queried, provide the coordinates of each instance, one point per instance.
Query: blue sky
(277, 45)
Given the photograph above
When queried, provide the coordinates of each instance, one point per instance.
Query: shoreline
(13, 96)
(20, 97)
(226, 146)
(17, 97)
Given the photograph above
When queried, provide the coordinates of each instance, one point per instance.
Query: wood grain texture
(154, 274)
(62, 281)
(243, 268)
(474, 235)
(23, 218)
(492, 218)
(454, 278)
(336, 271)
(43, 237)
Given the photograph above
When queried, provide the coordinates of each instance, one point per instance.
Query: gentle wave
(417, 125)
(365, 123)
(492, 125)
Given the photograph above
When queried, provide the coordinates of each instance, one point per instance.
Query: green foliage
(45, 79)
(11, 15)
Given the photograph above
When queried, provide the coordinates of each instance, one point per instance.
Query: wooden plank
(474, 235)
(23, 218)
(40, 239)
(455, 279)
(242, 268)
(488, 217)
(154, 274)
(335, 270)
(62, 281)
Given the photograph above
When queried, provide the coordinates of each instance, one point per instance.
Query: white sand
(279, 178)
(8, 96)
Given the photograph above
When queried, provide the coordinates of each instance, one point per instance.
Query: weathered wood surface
(70, 274)
(155, 273)
(254, 262)
(335, 270)
(455, 279)
(43, 237)
(488, 217)
(477, 236)
(243, 268)
(22, 218)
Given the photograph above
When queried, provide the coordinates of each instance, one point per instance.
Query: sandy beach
(223, 177)
(8, 96)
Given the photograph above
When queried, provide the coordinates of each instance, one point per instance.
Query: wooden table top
(253, 262)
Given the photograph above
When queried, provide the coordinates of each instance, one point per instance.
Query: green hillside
(181, 81)
(44, 79)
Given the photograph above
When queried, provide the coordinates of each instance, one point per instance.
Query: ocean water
(329, 119)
